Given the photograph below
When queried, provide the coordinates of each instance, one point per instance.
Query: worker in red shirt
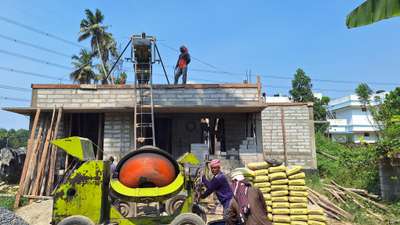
(181, 65)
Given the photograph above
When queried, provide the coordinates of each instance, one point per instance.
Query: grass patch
(355, 165)
(8, 202)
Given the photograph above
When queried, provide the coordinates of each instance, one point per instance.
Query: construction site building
(233, 121)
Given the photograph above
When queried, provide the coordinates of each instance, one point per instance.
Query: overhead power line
(8, 87)
(44, 33)
(291, 78)
(34, 46)
(314, 89)
(14, 99)
(34, 59)
(31, 73)
(195, 58)
(217, 71)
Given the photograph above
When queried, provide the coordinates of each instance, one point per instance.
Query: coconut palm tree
(102, 42)
(101, 76)
(83, 65)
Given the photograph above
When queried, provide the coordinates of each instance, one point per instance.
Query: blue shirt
(218, 184)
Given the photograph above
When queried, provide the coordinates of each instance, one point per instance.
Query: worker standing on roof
(181, 65)
(218, 184)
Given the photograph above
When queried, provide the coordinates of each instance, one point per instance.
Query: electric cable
(44, 33)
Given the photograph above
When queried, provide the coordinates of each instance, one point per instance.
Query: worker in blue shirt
(218, 184)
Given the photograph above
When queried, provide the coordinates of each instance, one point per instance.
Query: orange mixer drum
(149, 167)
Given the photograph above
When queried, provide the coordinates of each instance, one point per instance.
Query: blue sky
(270, 38)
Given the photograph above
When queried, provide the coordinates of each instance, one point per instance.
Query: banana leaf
(372, 11)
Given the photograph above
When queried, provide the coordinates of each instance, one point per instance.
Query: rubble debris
(11, 163)
(9, 218)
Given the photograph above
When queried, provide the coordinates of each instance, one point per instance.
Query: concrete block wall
(389, 179)
(182, 138)
(209, 96)
(299, 130)
(103, 97)
(235, 130)
(118, 134)
(85, 98)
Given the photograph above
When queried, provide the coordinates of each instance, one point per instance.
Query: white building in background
(349, 121)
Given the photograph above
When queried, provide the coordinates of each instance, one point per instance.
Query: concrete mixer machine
(89, 194)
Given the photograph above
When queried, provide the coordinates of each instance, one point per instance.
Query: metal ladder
(144, 132)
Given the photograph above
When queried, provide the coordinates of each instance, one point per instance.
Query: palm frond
(99, 16)
(84, 36)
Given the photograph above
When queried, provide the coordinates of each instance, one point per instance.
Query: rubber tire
(200, 211)
(170, 202)
(188, 218)
(76, 220)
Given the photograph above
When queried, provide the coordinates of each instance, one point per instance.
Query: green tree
(301, 87)
(13, 138)
(320, 106)
(388, 114)
(364, 93)
(83, 65)
(302, 92)
(121, 79)
(372, 11)
(102, 42)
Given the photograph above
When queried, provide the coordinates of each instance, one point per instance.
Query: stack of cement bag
(298, 202)
(246, 172)
(279, 196)
(316, 216)
(285, 195)
(261, 181)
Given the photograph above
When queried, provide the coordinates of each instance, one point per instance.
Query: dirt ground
(37, 213)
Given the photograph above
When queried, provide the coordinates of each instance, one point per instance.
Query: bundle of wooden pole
(37, 177)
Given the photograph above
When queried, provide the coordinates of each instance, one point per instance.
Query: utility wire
(315, 89)
(271, 76)
(8, 87)
(34, 46)
(34, 59)
(290, 78)
(14, 99)
(31, 73)
(44, 33)
(195, 58)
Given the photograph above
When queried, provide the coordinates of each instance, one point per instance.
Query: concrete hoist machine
(147, 187)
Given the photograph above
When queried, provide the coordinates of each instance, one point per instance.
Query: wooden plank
(53, 156)
(66, 163)
(285, 155)
(99, 155)
(259, 89)
(32, 164)
(27, 159)
(43, 158)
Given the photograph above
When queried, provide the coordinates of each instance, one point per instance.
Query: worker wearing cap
(218, 184)
(248, 204)
(182, 64)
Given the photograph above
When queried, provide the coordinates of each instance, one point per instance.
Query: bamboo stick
(43, 159)
(53, 156)
(31, 166)
(362, 197)
(27, 159)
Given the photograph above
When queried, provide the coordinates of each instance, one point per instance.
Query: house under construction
(233, 122)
